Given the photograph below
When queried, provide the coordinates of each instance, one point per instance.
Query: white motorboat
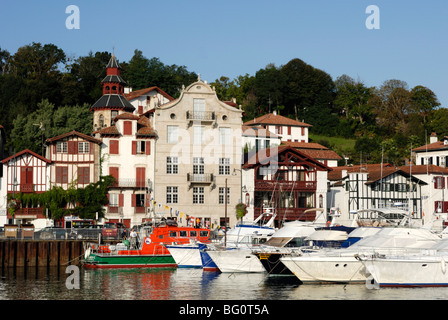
(341, 265)
(187, 255)
(427, 268)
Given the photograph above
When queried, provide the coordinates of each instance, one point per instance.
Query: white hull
(186, 256)
(408, 271)
(343, 269)
(236, 260)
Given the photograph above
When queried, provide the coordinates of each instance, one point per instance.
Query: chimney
(433, 138)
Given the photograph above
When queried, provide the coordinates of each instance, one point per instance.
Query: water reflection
(187, 284)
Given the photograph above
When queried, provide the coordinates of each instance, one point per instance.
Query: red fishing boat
(151, 253)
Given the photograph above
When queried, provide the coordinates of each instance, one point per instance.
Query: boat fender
(443, 263)
(87, 253)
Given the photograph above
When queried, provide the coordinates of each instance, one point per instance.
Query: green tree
(31, 130)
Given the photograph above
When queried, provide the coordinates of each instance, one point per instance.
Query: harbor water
(186, 284)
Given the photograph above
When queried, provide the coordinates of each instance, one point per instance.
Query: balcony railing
(133, 183)
(27, 213)
(290, 214)
(205, 178)
(26, 188)
(201, 116)
(284, 185)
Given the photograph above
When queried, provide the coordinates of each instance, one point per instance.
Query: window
(61, 174)
(198, 108)
(198, 135)
(113, 199)
(141, 147)
(83, 147)
(171, 194)
(61, 147)
(198, 165)
(193, 233)
(224, 166)
(222, 195)
(140, 200)
(101, 121)
(172, 134)
(83, 175)
(183, 233)
(224, 136)
(198, 195)
(439, 182)
(171, 165)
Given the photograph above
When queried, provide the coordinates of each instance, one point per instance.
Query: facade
(372, 187)
(287, 180)
(147, 99)
(198, 154)
(75, 160)
(127, 153)
(25, 172)
(316, 151)
(436, 152)
(287, 129)
(255, 138)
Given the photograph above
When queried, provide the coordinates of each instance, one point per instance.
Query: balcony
(269, 185)
(28, 213)
(289, 214)
(27, 188)
(132, 183)
(204, 178)
(203, 116)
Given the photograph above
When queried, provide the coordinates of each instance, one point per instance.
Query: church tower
(112, 103)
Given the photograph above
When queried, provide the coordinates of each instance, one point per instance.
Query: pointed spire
(113, 63)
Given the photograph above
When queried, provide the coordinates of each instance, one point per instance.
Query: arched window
(101, 121)
(107, 89)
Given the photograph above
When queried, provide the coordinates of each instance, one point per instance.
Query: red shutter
(148, 147)
(114, 172)
(140, 175)
(107, 195)
(121, 200)
(134, 200)
(114, 146)
(289, 130)
(72, 147)
(134, 147)
(127, 128)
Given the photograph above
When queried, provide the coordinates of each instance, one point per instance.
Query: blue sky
(232, 38)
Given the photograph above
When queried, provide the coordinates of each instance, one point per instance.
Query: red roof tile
(273, 119)
(26, 151)
(74, 133)
(137, 93)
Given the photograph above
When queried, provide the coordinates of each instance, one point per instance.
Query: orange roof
(423, 169)
(126, 116)
(314, 150)
(74, 133)
(137, 93)
(439, 145)
(112, 130)
(264, 156)
(26, 151)
(276, 119)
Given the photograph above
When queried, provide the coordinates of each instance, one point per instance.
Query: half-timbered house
(75, 159)
(286, 180)
(26, 172)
